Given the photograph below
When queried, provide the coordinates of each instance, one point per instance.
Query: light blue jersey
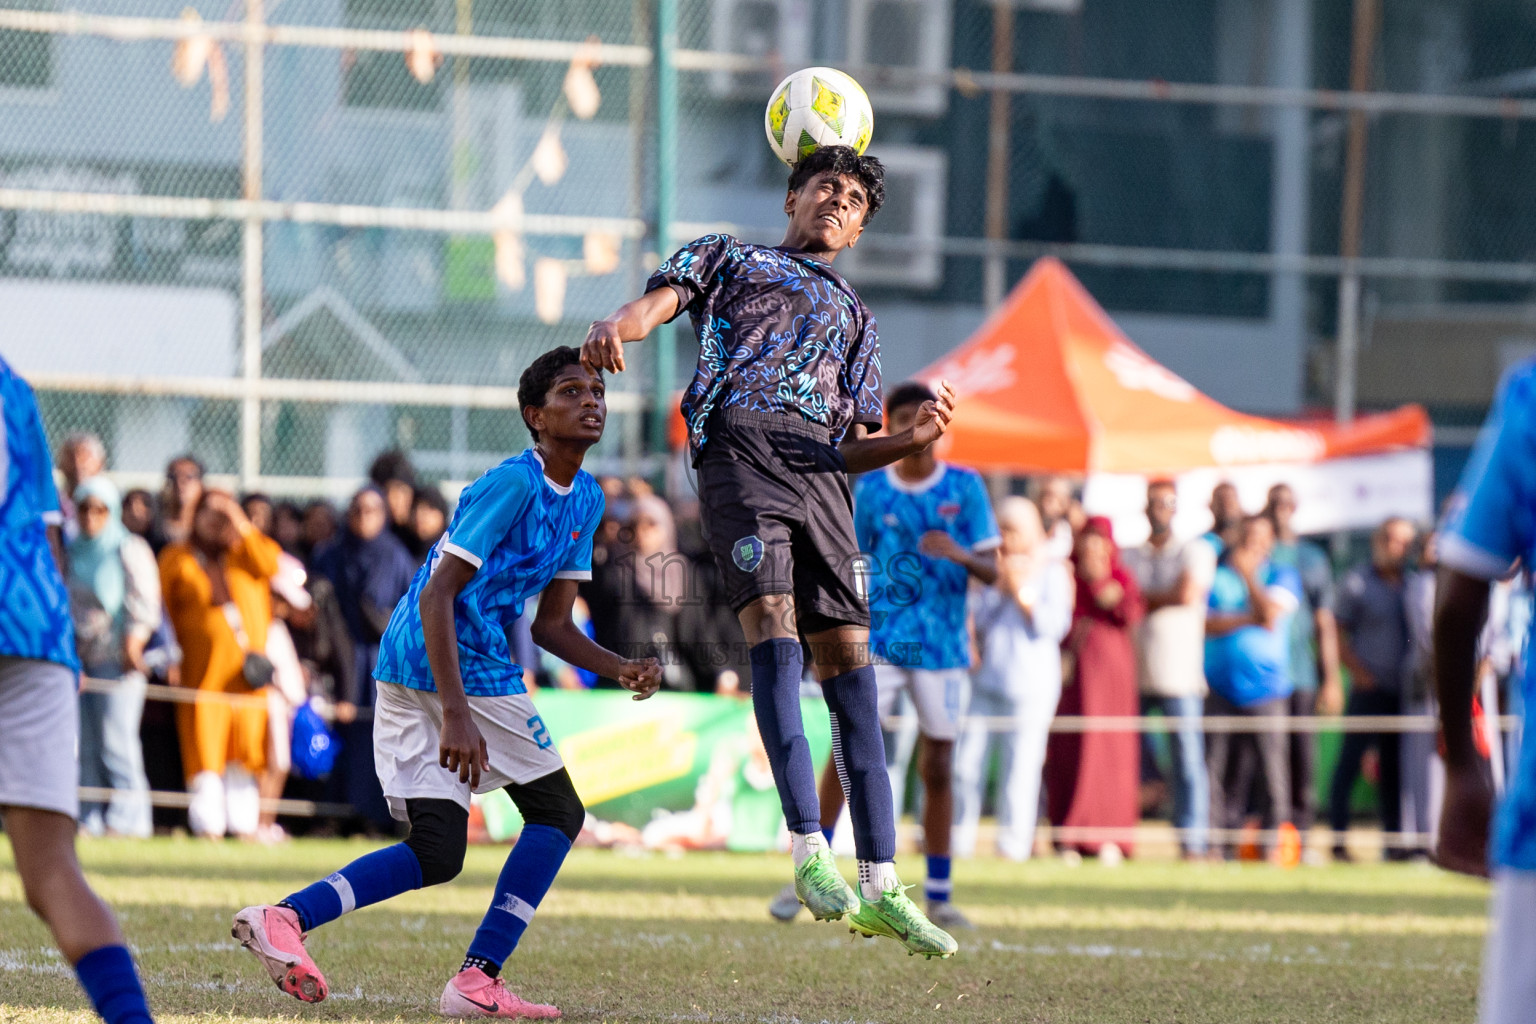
(34, 617)
(917, 603)
(520, 530)
(1491, 525)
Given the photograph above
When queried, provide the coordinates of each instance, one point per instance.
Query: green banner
(686, 769)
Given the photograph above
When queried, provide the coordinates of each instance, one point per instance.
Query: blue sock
(527, 875)
(858, 749)
(938, 887)
(828, 832)
(367, 880)
(109, 979)
(777, 666)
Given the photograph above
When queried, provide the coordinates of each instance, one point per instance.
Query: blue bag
(315, 746)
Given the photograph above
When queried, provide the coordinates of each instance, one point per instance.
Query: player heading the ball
(453, 716)
(786, 392)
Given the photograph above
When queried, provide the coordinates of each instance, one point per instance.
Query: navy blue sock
(367, 880)
(827, 832)
(109, 979)
(938, 887)
(858, 750)
(777, 666)
(527, 875)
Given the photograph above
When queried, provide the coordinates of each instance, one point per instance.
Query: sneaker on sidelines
(896, 916)
(472, 993)
(947, 916)
(273, 935)
(823, 889)
(786, 905)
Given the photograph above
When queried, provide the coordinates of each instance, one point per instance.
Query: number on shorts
(540, 733)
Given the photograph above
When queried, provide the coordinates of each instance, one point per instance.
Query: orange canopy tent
(1050, 384)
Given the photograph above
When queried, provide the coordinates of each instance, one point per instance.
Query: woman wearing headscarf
(1091, 777)
(216, 590)
(114, 591)
(1020, 622)
(667, 611)
(371, 570)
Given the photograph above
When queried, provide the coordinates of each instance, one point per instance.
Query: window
(26, 58)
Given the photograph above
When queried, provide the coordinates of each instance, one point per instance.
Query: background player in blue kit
(453, 715)
(928, 530)
(39, 716)
(1488, 533)
(786, 391)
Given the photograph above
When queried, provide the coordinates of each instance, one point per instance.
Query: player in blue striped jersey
(1489, 532)
(39, 715)
(453, 715)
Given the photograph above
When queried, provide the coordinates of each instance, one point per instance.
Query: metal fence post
(251, 278)
(666, 171)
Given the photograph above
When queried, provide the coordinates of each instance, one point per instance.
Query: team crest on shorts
(747, 553)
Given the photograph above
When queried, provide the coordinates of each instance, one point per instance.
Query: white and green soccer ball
(817, 107)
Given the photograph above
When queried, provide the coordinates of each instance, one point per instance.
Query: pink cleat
(273, 934)
(472, 994)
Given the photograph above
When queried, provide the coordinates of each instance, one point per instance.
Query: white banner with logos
(1339, 494)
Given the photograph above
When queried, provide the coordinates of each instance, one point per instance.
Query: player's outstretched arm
(604, 347)
(461, 748)
(1461, 606)
(555, 631)
(863, 454)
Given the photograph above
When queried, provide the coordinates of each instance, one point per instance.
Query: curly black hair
(533, 386)
(843, 160)
(912, 392)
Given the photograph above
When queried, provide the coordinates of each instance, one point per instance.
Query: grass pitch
(689, 939)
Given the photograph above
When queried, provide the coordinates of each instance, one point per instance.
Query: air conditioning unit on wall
(915, 187)
(911, 34)
(776, 30)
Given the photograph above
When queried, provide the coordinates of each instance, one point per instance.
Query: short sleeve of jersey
(1490, 525)
(1199, 560)
(861, 374)
(691, 270)
(26, 468)
(978, 526)
(578, 563)
(487, 511)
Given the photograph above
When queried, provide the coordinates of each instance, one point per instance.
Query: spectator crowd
(268, 613)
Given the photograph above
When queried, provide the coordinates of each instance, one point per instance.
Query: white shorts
(39, 736)
(938, 694)
(407, 728)
(1509, 983)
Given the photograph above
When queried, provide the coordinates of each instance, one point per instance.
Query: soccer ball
(817, 107)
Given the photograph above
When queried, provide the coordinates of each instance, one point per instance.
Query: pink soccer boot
(274, 936)
(472, 994)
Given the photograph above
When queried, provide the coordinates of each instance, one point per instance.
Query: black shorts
(778, 515)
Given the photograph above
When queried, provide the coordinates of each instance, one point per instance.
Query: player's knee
(551, 801)
(938, 767)
(439, 837)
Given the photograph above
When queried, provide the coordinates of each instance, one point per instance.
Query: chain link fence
(285, 234)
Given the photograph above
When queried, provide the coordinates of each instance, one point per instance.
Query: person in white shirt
(1020, 622)
(1175, 578)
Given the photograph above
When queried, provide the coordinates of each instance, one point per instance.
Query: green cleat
(898, 917)
(822, 888)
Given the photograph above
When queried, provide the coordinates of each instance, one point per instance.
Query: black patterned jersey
(779, 331)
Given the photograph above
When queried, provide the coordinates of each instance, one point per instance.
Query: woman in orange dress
(216, 586)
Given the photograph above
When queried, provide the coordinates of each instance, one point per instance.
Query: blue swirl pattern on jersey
(917, 603)
(34, 615)
(523, 532)
(779, 331)
(1491, 524)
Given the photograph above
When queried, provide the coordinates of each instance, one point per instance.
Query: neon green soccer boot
(822, 888)
(898, 917)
